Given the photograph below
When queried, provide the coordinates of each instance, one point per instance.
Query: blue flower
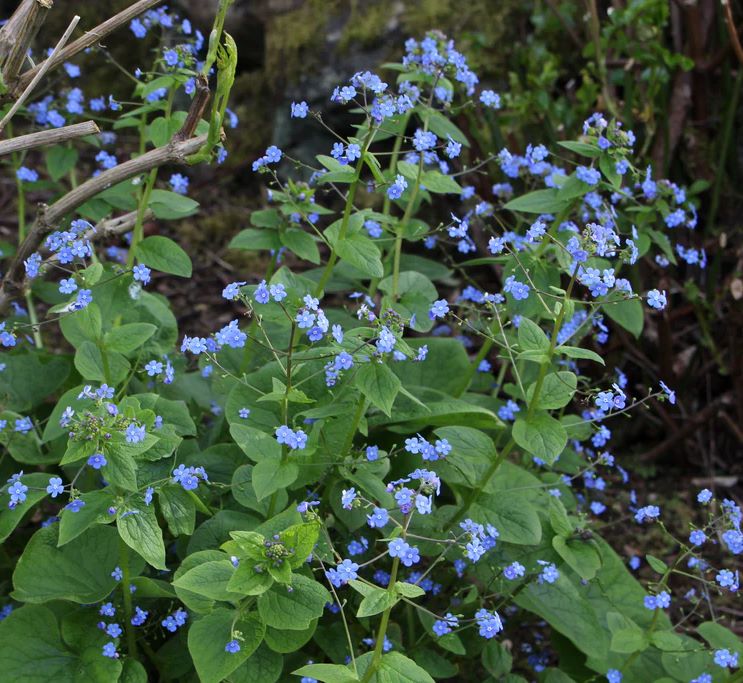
(232, 647)
(395, 190)
(347, 498)
(443, 626)
(439, 309)
(704, 496)
(491, 99)
(178, 183)
(96, 461)
(109, 650)
(135, 433)
(590, 176)
(299, 110)
(142, 273)
(657, 299)
(489, 623)
(27, 175)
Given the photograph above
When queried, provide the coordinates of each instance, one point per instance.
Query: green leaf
(257, 445)
(532, 338)
(167, 204)
(95, 510)
(394, 668)
(128, 338)
(179, 510)
(540, 435)
(79, 571)
(10, 518)
(609, 169)
(301, 538)
(580, 555)
(209, 579)
(582, 148)
(628, 314)
(657, 564)
(437, 182)
(539, 201)
(208, 636)
(60, 160)
(141, 532)
(628, 640)
(162, 253)
(559, 519)
(579, 353)
(271, 475)
(285, 642)
(514, 516)
(496, 659)
(255, 240)
(409, 590)
(302, 244)
(362, 253)
(379, 384)
(376, 601)
(557, 390)
(90, 363)
(246, 581)
(327, 673)
(293, 610)
(443, 127)
(567, 611)
(32, 651)
(720, 637)
(266, 218)
(30, 379)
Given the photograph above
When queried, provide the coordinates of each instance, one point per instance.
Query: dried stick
(18, 34)
(49, 216)
(44, 67)
(48, 137)
(730, 23)
(86, 41)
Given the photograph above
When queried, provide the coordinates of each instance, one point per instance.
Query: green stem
(35, 329)
(382, 632)
(404, 222)
(360, 410)
(126, 595)
(144, 200)
(346, 214)
(498, 461)
(285, 412)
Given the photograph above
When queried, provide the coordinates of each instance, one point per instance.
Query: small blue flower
(299, 110)
(96, 461)
(232, 647)
(55, 487)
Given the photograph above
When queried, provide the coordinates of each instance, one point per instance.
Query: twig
(86, 41)
(48, 137)
(18, 34)
(43, 68)
(196, 110)
(49, 216)
(732, 32)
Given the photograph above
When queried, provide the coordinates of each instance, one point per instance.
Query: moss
(295, 39)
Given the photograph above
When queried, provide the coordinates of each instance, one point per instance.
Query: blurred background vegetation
(669, 69)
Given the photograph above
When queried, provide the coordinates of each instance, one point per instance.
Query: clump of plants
(394, 463)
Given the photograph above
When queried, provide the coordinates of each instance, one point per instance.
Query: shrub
(379, 454)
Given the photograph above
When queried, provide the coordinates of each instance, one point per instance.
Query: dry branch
(18, 34)
(49, 217)
(48, 137)
(89, 39)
